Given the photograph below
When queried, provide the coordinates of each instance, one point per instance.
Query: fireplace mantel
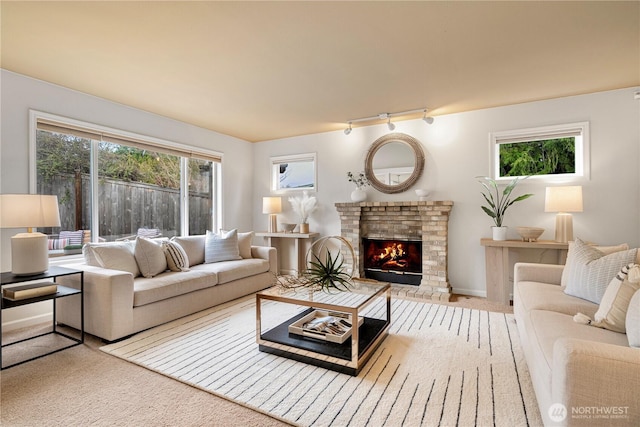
(413, 220)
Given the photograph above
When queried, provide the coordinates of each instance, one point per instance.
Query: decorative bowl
(422, 193)
(288, 228)
(529, 234)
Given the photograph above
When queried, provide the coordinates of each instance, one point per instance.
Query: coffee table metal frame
(323, 353)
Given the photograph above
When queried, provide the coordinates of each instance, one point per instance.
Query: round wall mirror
(394, 163)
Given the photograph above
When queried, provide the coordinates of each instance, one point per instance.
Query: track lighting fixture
(427, 120)
(387, 117)
(390, 125)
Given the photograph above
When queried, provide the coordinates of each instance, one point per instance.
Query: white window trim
(583, 162)
(34, 115)
(310, 157)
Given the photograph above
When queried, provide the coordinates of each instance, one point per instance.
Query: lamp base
(564, 227)
(273, 223)
(29, 254)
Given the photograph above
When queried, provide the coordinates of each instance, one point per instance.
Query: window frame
(152, 142)
(582, 152)
(276, 161)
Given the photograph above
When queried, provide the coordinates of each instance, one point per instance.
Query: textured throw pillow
(221, 247)
(193, 246)
(612, 312)
(74, 237)
(606, 250)
(588, 271)
(116, 257)
(150, 257)
(55, 244)
(177, 259)
(633, 321)
(244, 243)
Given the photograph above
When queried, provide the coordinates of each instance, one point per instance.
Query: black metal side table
(53, 272)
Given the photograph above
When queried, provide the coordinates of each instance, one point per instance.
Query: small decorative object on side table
(52, 273)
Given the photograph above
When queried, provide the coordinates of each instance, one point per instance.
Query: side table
(497, 263)
(302, 242)
(8, 278)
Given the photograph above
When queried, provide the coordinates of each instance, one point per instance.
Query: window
(552, 152)
(117, 185)
(296, 172)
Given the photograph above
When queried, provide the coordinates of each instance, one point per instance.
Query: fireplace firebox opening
(392, 260)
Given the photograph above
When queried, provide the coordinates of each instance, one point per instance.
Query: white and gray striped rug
(440, 365)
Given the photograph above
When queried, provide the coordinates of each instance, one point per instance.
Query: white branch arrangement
(303, 206)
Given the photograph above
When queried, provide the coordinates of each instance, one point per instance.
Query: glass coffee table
(283, 317)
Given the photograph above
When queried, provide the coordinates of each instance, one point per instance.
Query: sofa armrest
(544, 273)
(108, 301)
(269, 253)
(588, 374)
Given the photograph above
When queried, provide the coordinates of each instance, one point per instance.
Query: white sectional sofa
(593, 372)
(120, 303)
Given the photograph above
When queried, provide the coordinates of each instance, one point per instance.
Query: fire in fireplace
(396, 261)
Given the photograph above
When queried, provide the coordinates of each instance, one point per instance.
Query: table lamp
(29, 251)
(272, 206)
(563, 200)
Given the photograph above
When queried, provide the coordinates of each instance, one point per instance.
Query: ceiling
(268, 70)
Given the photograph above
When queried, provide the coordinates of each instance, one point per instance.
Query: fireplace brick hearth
(427, 221)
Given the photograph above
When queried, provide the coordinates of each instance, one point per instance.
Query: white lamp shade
(563, 199)
(271, 205)
(28, 211)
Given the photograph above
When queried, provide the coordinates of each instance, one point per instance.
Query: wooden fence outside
(125, 206)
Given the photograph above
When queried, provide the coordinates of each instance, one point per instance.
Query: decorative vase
(358, 195)
(499, 233)
(304, 228)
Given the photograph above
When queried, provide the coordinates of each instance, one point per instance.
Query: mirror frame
(413, 143)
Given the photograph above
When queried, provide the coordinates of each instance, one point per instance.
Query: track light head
(348, 130)
(390, 125)
(429, 119)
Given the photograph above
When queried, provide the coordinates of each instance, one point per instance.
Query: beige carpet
(438, 366)
(83, 386)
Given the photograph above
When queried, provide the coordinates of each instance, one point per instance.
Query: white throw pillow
(193, 246)
(613, 308)
(588, 271)
(74, 237)
(150, 257)
(177, 258)
(633, 321)
(90, 257)
(116, 257)
(244, 243)
(221, 247)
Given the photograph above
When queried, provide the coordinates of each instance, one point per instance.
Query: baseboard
(27, 321)
(470, 292)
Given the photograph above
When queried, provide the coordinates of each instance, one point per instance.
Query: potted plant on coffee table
(498, 202)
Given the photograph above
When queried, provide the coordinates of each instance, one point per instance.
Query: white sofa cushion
(89, 254)
(170, 284)
(588, 271)
(193, 247)
(221, 247)
(633, 321)
(228, 271)
(116, 257)
(149, 256)
(244, 243)
(544, 296)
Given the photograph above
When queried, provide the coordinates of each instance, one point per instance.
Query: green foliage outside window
(543, 157)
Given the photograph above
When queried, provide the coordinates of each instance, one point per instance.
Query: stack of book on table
(30, 290)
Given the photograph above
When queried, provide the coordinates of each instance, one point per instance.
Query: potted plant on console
(498, 202)
(303, 206)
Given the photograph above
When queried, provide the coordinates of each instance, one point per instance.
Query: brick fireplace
(426, 221)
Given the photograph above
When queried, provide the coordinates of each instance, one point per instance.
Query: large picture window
(551, 152)
(115, 185)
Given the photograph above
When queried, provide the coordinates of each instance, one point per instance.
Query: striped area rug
(440, 365)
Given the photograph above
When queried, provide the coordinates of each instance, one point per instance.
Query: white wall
(20, 93)
(457, 149)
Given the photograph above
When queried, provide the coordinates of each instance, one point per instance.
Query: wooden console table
(302, 243)
(497, 263)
